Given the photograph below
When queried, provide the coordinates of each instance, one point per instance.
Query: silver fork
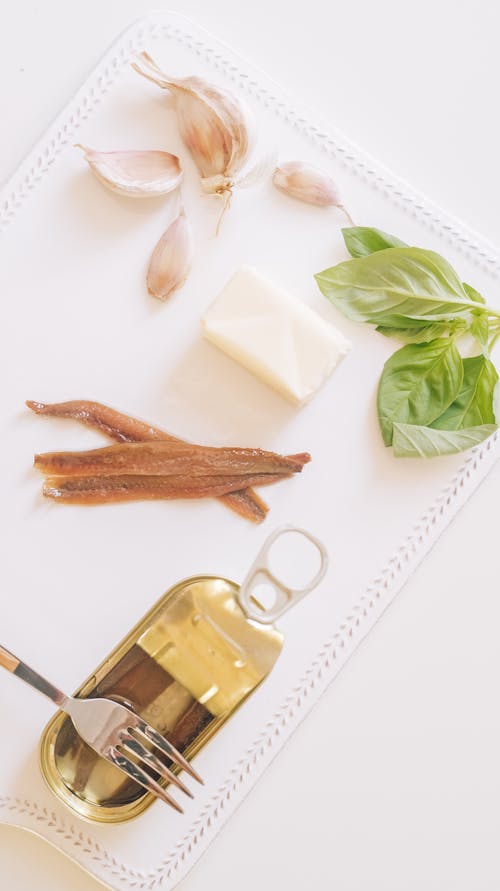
(113, 731)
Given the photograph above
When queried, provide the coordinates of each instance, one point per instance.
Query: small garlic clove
(171, 259)
(215, 125)
(137, 174)
(307, 183)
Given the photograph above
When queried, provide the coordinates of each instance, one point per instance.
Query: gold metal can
(185, 667)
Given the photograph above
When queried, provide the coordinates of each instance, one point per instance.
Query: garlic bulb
(137, 174)
(308, 183)
(215, 126)
(171, 260)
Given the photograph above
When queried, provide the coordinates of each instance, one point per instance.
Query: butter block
(274, 335)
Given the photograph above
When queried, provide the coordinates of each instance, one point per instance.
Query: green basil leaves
(473, 404)
(428, 331)
(418, 384)
(412, 441)
(430, 400)
(361, 240)
(396, 287)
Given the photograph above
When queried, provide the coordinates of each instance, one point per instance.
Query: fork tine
(131, 744)
(140, 776)
(163, 744)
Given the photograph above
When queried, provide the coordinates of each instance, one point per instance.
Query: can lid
(261, 573)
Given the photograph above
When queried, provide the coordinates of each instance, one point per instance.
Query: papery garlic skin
(136, 174)
(307, 183)
(216, 185)
(171, 259)
(215, 126)
(261, 170)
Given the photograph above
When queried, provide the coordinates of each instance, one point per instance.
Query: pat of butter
(274, 335)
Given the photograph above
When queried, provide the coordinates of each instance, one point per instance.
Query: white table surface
(401, 756)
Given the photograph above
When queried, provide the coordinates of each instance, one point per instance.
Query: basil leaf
(418, 384)
(397, 287)
(412, 441)
(473, 294)
(425, 332)
(363, 240)
(474, 403)
(480, 329)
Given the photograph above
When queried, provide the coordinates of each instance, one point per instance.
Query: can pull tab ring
(260, 573)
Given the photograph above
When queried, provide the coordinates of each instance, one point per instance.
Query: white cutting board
(76, 323)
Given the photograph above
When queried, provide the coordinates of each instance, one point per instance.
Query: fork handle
(23, 671)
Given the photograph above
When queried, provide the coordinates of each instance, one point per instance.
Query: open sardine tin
(186, 666)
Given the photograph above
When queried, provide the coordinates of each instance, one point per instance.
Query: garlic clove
(171, 259)
(137, 174)
(307, 183)
(206, 137)
(237, 118)
(215, 125)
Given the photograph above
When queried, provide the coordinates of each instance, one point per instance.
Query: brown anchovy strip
(166, 459)
(123, 428)
(107, 489)
(114, 424)
(247, 504)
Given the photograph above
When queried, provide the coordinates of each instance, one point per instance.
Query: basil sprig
(430, 400)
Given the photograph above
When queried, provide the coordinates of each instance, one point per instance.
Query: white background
(393, 782)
